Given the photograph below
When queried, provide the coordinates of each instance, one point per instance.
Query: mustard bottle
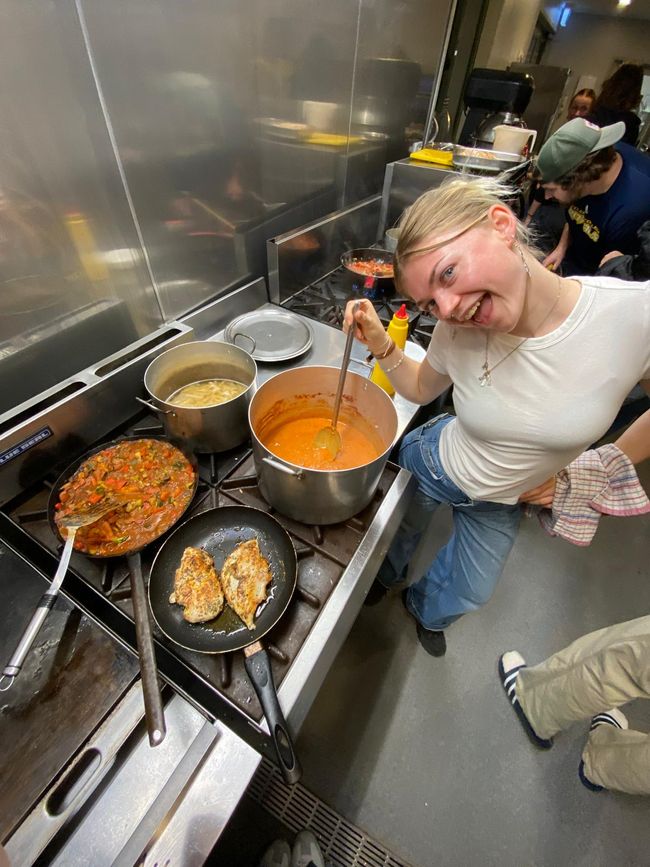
(398, 329)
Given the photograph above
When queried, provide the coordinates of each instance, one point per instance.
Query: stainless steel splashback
(67, 240)
(150, 148)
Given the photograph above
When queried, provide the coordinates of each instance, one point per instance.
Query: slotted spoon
(329, 438)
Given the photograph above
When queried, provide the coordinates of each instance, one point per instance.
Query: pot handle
(299, 474)
(155, 408)
(258, 667)
(247, 336)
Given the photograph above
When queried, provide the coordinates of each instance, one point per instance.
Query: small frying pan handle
(153, 708)
(258, 666)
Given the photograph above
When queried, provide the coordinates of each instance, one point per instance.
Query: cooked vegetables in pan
(152, 483)
(371, 267)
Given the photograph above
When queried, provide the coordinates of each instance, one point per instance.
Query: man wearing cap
(606, 191)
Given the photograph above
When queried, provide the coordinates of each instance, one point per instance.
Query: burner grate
(325, 300)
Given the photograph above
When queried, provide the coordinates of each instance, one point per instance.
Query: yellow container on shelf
(398, 330)
(432, 155)
(332, 140)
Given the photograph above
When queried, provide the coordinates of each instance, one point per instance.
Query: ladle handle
(344, 368)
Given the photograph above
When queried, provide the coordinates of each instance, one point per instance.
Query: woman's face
(580, 107)
(476, 280)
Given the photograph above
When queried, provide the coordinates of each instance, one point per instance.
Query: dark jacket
(605, 116)
(636, 267)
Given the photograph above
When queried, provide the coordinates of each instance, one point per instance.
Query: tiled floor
(426, 755)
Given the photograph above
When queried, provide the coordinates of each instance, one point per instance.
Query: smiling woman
(508, 338)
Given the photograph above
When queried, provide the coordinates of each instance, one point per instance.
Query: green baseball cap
(567, 147)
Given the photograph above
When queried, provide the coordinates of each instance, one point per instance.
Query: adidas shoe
(612, 717)
(510, 664)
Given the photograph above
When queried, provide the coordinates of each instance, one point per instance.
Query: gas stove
(214, 718)
(325, 300)
(216, 684)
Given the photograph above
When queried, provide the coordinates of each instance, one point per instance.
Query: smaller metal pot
(204, 429)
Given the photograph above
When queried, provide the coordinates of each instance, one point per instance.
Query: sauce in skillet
(294, 441)
(153, 481)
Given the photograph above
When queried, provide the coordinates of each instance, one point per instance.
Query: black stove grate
(325, 300)
(215, 683)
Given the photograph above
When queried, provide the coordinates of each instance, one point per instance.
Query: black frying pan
(151, 689)
(218, 531)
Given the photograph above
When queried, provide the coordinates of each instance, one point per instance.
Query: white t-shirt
(550, 400)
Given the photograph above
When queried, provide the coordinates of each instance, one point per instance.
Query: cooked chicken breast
(197, 587)
(244, 578)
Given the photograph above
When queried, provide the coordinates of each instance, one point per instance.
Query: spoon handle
(344, 367)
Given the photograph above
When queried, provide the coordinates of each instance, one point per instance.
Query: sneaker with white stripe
(510, 664)
(613, 717)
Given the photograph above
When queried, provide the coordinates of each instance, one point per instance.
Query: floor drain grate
(343, 844)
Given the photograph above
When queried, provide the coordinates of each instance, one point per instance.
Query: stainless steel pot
(205, 429)
(319, 496)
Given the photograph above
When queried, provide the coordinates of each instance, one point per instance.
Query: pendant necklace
(486, 377)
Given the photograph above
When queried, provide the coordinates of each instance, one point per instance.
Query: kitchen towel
(600, 481)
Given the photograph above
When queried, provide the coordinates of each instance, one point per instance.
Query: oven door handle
(299, 474)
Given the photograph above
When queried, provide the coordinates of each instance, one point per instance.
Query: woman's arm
(414, 380)
(417, 381)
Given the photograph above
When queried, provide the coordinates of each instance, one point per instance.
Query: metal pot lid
(270, 334)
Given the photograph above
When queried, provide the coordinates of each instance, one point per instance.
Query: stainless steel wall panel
(71, 267)
(151, 147)
(226, 116)
(405, 181)
(299, 257)
(400, 52)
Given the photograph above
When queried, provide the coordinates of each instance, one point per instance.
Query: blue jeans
(465, 572)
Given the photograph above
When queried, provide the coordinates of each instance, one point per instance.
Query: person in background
(508, 334)
(546, 216)
(590, 678)
(618, 99)
(636, 267)
(581, 104)
(606, 190)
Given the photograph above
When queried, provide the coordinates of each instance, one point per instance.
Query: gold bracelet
(386, 349)
(391, 346)
(395, 366)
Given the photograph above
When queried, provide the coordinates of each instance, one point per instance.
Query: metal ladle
(72, 523)
(329, 438)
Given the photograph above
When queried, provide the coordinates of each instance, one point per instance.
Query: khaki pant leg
(618, 760)
(599, 671)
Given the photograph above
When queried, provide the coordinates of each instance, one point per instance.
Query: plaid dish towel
(600, 481)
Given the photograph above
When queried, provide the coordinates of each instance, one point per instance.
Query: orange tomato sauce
(293, 441)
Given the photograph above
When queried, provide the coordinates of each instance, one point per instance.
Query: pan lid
(270, 334)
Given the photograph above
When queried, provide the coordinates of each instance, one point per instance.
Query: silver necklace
(486, 378)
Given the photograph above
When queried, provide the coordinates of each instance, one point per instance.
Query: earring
(517, 247)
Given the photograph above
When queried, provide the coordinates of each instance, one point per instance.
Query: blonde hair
(448, 211)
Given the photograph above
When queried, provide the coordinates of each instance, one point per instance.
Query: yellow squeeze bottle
(398, 329)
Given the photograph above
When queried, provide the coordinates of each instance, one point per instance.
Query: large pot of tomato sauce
(300, 480)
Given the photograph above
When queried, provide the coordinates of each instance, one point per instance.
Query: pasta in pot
(207, 392)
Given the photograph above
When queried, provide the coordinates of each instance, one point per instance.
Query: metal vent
(343, 844)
